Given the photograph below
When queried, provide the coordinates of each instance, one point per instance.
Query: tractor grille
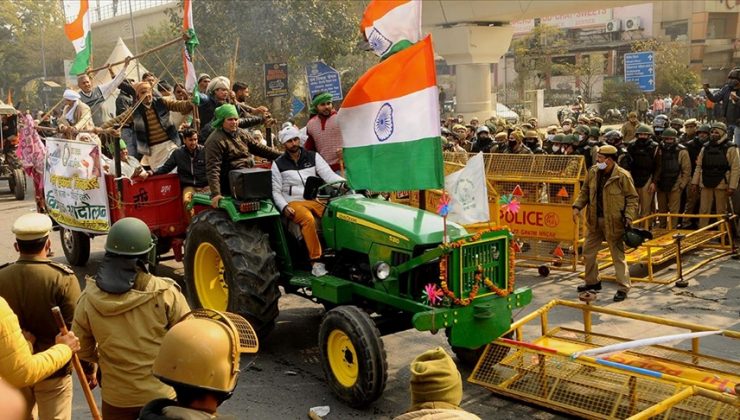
(491, 255)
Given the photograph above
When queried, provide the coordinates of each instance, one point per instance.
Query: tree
(619, 94)
(587, 72)
(296, 32)
(672, 76)
(533, 56)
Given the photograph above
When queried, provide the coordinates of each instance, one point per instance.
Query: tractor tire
(19, 186)
(352, 356)
(231, 267)
(76, 246)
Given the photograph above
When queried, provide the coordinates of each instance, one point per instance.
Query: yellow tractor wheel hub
(342, 358)
(210, 285)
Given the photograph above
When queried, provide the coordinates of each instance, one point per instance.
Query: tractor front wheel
(19, 186)
(352, 356)
(230, 267)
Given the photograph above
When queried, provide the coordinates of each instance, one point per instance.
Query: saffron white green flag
(77, 29)
(391, 25)
(189, 47)
(390, 124)
(468, 193)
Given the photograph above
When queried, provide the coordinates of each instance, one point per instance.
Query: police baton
(78, 367)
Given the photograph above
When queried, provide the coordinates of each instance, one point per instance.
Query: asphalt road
(284, 380)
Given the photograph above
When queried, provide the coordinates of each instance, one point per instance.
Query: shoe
(318, 269)
(586, 287)
(620, 296)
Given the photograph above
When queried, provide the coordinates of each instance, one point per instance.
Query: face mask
(601, 165)
(566, 127)
(512, 144)
(555, 149)
(715, 137)
(550, 137)
(581, 137)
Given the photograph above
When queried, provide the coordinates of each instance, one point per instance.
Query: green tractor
(385, 260)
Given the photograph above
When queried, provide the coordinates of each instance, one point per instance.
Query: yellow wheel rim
(342, 358)
(208, 273)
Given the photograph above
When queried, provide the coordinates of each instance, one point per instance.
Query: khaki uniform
(629, 131)
(32, 286)
(123, 332)
(620, 202)
(670, 201)
(718, 194)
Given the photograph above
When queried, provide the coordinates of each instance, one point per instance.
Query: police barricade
(669, 247)
(545, 187)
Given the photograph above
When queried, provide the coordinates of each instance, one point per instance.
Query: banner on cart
(74, 185)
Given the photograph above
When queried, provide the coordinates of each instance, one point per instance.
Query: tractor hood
(356, 222)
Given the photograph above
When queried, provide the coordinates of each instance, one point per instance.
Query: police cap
(32, 226)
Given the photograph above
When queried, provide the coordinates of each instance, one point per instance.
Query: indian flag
(77, 29)
(391, 25)
(390, 124)
(188, 50)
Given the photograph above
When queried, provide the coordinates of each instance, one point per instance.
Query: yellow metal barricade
(654, 381)
(669, 247)
(545, 186)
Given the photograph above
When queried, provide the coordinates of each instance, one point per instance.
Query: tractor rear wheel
(76, 246)
(231, 267)
(352, 356)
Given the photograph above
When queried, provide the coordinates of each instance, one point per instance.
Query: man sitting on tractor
(190, 161)
(229, 148)
(289, 174)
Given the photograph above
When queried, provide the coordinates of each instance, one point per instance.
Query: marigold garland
(478, 277)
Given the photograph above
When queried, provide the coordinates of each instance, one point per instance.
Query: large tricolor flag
(188, 50)
(390, 124)
(391, 25)
(77, 29)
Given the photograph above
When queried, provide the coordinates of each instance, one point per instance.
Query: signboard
(540, 221)
(276, 80)
(323, 78)
(640, 68)
(296, 106)
(74, 185)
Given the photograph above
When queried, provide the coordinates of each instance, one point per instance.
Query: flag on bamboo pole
(191, 82)
(391, 25)
(390, 124)
(77, 29)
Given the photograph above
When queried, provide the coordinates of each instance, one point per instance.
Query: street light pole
(43, 63)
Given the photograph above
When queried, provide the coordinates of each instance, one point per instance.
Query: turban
(219, 82)
(223, 112)
(435, 379)
(141, 88)
(289, 133)
(320, 99)
(71, 95)
(203, 76)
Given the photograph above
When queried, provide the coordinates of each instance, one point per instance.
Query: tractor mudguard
(267, 208)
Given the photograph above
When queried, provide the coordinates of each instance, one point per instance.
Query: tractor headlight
(382, 270)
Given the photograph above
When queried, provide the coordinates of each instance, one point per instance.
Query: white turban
(219, 82)
(288, 133)
(71, 95)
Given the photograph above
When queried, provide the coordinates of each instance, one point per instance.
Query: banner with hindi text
(74, 185)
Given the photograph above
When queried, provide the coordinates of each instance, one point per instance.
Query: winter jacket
(191, 167)
(727, 110)
(620, 201)
(123, 332)
(31, 287)
(289, 176)
(18, 366)
(733, 172)
(164, 409)
(228, 151)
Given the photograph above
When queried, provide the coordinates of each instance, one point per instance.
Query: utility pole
(44, 88)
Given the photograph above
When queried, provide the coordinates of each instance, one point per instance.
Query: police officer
(614, 138)
(689, 131)
(514, 146)
(483, 141)
(532, 141)
(199, 358)
(122, 317)
(629, 128)
(660, 123)
(641, 164)
(612, 203)
(717, 172)
(672, 173)
(582, 147)
(694, 146)
(32, 286)
(678, 125)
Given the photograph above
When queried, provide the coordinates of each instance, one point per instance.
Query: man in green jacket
(612, 204)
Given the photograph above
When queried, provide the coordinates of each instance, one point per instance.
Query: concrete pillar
(473, 90)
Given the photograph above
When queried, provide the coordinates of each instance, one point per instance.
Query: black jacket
(191, 167)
